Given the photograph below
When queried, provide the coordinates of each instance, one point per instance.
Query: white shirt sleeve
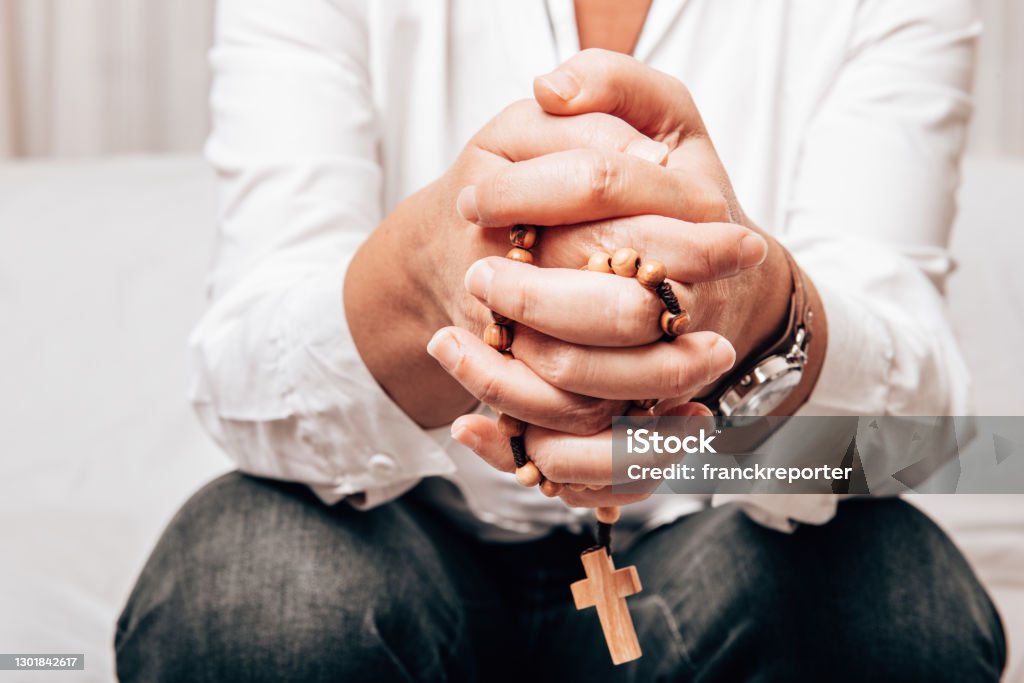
(277, 380)
(872, 204)
(869, 214)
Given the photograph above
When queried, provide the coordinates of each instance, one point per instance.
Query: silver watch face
(763, 390)
(765, 398)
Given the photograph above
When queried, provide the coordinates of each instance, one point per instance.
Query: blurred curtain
(998, 127)
(85, 77)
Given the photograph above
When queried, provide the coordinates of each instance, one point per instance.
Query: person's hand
(749, 308)
(584, 461)
(407, 280)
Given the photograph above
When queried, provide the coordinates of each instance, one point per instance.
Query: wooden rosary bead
(498, 337)
(577, 487)
(500, 319)
(521, 255)
(528, 475)
(509, 426)
(674, 324)
(652, 273)
(601, 262)
(626, 262)
(551, 488)
(524, 236)
(608, 515)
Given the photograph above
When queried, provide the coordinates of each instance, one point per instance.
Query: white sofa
(101, 277)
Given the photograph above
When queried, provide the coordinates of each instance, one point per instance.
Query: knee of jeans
(883, 595)
(317, 598)
(726, 589)
(880, 593)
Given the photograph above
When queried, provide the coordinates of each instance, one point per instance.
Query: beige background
(92, 77)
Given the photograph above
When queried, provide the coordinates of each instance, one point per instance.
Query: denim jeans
(258, 581)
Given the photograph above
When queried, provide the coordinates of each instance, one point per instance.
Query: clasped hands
(611, 153)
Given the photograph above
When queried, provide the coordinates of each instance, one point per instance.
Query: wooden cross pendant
(606, 588)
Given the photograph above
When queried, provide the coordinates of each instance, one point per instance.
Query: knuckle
(714, 204)
(558, 367)
(709, 260)
(630, 316)
(679, 379)
(717, 208)
(524, 302)
(706, 198)
(725, 256)
(491, 391)
(590, 417)
(603, 177)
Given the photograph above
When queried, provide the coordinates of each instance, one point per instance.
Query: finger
(509, 386)
(692, 252)
(602, 81)
(567, 458)
(480, 434)
(587, 185)
(556, 456)
(681, 367)
(573, 305)
(570, 458)
(524, 131)
(652, 101)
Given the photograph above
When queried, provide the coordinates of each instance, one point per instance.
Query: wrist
(769, 310)
(393, 308)
(784, 353)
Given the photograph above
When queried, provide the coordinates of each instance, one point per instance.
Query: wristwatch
(761, 386)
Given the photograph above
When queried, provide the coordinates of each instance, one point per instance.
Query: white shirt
(841, 124)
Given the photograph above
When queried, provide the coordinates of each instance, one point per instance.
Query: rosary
(605, 588)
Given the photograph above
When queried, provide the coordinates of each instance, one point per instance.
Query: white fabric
(840, 123)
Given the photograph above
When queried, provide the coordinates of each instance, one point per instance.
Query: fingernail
(465, 436)
(466, 204)
(723, 357)
(648, 150)
(478, 279)
(562, 83)
(753, 251)
(444, 349)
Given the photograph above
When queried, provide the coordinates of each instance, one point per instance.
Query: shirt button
(382, 465)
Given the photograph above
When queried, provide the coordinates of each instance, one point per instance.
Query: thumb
(596, 80)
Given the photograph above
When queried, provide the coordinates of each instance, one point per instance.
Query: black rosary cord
(668, 297)
(518, 451)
